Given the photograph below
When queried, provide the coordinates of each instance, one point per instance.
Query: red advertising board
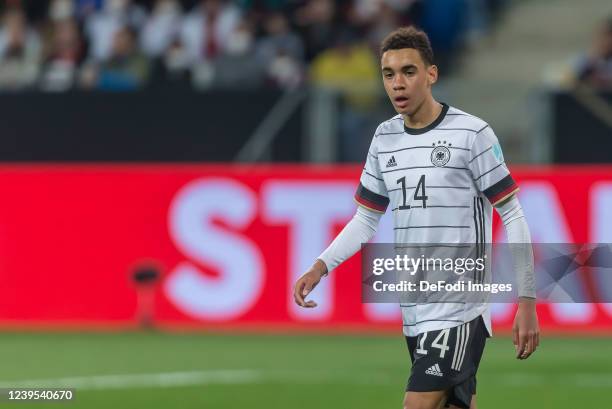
(230, 240)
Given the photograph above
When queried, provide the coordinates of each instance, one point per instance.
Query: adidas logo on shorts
(391, 162)
(434, 370)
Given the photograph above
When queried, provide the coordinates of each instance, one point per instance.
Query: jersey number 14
(419, 192)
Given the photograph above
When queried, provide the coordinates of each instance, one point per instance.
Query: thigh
(424, 400)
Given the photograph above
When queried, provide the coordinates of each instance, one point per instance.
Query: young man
(443, 171)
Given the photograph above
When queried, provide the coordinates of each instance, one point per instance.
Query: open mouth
(401, 100)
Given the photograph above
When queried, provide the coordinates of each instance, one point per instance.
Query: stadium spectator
(161, 28)
(284, 36)
(20, 52)
(126, 69)
(596, 69)
(206, 31)
(173, 69)
(63, 55)
(237, 66)
(317, 22)
(379, 22)
(281, 52)
(351, 69)
(101, 26)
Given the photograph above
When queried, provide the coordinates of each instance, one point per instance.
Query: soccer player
(442, 170)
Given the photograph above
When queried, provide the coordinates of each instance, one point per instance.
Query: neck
(424, 115)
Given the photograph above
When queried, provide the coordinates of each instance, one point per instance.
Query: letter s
(237, 259)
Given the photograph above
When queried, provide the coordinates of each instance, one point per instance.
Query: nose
(398, 83)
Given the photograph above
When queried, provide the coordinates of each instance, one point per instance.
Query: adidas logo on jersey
(434, 370)
(391, 162)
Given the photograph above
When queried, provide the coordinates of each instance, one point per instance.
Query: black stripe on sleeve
(477, 228)
(477, 234)
(482, 235)
(371, 199)
(493, 193)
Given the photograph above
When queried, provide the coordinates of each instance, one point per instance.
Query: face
(407, 79)
(66, 34)
(15, 27)
(123, 43)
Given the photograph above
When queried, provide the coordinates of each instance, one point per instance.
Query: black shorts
(448, 360)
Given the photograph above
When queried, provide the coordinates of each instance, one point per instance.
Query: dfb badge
(440, 155)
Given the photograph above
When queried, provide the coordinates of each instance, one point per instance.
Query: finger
(521, 345)
(531, 347)
(515, 340)
(310, 304)
(525, 355)
(297, 293)
(298, 301)
(537, 339)
(534, 344)
(528, 347)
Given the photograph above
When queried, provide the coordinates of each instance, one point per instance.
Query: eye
(388, 75)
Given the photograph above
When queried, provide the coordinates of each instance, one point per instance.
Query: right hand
(307, 282)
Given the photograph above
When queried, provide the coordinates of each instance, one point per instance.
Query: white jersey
(442, 182)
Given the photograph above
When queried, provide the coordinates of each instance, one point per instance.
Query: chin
(403, 111)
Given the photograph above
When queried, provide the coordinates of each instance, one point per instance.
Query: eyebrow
(405, 67)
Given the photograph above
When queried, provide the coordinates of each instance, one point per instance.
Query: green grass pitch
(160, 370)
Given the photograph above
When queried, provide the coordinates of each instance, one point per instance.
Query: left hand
(526, 330)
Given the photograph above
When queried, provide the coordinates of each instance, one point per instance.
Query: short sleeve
(489, 169)
(372, 192)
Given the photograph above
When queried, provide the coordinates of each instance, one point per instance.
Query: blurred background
(169, 168)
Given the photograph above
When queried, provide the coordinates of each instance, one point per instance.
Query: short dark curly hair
(409, 37)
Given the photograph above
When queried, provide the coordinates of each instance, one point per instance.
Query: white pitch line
(591, 380)
(126, 381)
(585, 380)
(250, 376)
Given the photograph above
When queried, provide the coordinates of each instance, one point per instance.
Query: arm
(360, 229)
(373, 199)
(525, 331)
(493, 179)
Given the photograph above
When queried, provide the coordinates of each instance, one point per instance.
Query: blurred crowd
(595, 67)
(62, 45)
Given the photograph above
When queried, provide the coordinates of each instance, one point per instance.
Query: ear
(432, 74)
